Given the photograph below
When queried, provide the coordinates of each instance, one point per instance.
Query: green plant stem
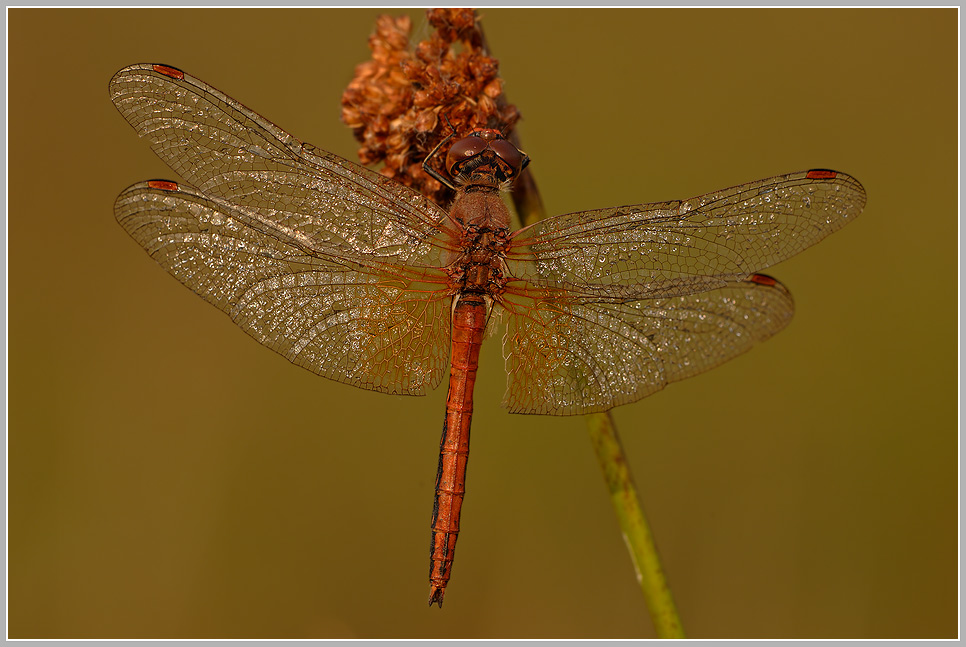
(613, 463)
(637, 534)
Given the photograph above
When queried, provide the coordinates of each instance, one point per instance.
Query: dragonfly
(362, 280)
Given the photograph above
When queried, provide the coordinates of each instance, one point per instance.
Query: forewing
(685, 246)
(375, 325)
(228, 151)
(565, 356)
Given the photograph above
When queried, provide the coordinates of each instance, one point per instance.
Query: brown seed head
(395, 101)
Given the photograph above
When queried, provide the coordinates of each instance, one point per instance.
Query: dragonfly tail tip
(436, 595)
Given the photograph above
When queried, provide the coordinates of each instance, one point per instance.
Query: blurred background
(171, 478)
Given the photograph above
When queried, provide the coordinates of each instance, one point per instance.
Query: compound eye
(464, 149)
(510, 154)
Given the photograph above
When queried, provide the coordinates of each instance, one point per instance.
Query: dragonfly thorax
(480, 267)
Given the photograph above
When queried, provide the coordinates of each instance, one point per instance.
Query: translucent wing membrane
(685, 246)
(608, 306)
(565, 356)
(367, 325)
(227, 151)
(350, 274)
(333, 266)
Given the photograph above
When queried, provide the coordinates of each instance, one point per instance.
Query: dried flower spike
(396, 101)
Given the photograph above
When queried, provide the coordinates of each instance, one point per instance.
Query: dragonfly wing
(565, 356)
(608, 306)
(372, 325)
(686, 246)
(230, 152)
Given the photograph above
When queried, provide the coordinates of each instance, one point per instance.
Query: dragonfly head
(485, 157)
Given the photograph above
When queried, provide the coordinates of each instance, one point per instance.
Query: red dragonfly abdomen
(469, 322)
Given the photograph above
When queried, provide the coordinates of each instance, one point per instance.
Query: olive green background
(169, 477)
